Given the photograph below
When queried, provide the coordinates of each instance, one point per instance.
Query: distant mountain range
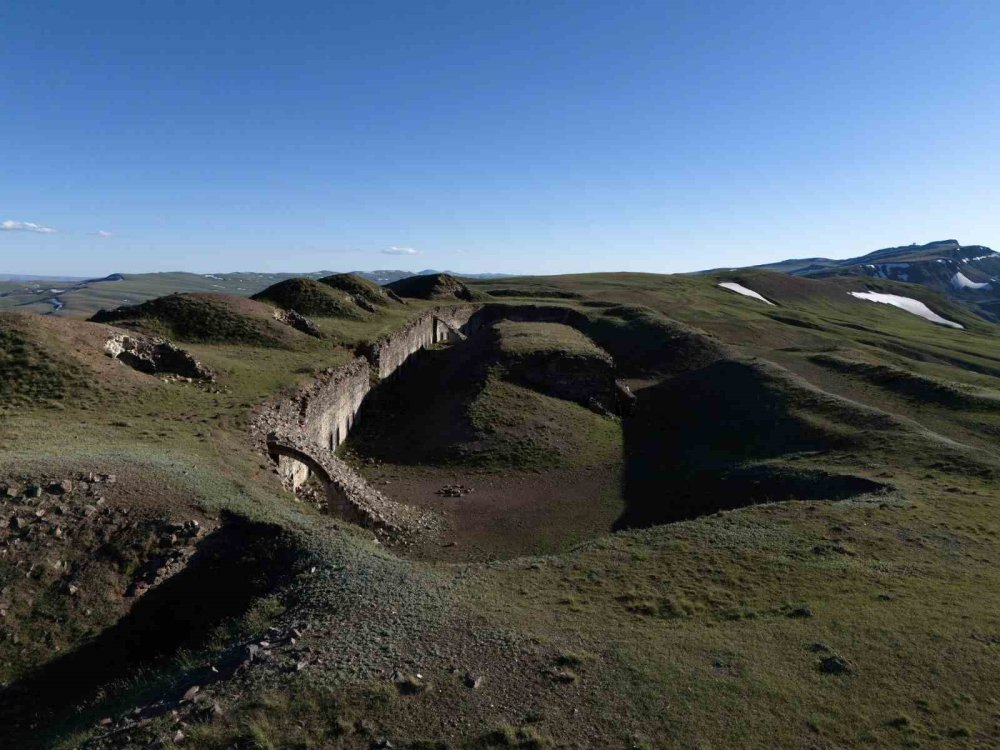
(387, 277)
(21, 277)
(969, 274)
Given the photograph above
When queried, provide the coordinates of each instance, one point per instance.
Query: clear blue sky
(539, 137)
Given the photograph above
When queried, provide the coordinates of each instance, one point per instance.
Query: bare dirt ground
(507, 515)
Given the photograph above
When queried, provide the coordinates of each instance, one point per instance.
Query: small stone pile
(454, 490)
(297, 321)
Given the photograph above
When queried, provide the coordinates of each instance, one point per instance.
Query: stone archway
(314, 459)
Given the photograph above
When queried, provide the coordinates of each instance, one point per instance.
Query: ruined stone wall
(390, 352)
(323, 412)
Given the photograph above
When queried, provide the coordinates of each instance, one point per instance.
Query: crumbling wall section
(348, 494)
(322, 413)
(388, 353)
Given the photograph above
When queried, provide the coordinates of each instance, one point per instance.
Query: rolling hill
(969, 274)
(81, 298)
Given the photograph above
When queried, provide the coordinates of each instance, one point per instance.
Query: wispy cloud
(24, 226)
(103, 233)
(400, 251)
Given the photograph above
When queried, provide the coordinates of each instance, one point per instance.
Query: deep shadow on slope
(239, 562)
(417, 415)
(695, 442)
(513, 395)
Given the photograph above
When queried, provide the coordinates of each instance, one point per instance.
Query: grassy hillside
(360, 289)
(81, 299)
(438, 286)
(209, 318)
(309, 297)
(790, 541)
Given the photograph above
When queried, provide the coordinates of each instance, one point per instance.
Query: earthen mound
(208, 318)
(364, 293)
(309, 297)
(433, 286)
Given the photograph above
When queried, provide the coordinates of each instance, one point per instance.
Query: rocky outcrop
(156, 357)
(297, 321)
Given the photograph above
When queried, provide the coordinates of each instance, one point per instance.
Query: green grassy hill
(204, 318)
(432, 286)
(968, 274)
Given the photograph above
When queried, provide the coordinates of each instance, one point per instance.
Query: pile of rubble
(454, 490)
(349, 495)
(297, 321)
(54, 530)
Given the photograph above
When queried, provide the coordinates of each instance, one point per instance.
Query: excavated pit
(526, 408)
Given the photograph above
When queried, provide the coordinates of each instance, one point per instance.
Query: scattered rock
(61, 488)
(191, 693)
(409, 684)
(473, 682)
(836, 665)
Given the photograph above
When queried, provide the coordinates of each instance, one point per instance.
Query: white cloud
(24, 226)
(103, 233)
(400, 251)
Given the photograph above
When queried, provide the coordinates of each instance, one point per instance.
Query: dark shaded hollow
(234, 565)
(695, 444)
